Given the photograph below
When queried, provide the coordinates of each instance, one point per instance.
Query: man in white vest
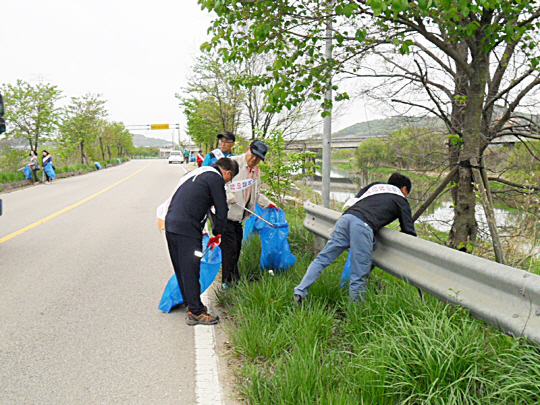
(375, 206)
(226, 143)
(243, 191)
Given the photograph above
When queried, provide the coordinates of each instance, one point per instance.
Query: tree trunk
(465, 228)
(102, 149)
(83, 156)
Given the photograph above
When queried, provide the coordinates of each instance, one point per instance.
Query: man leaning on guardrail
(375, 206)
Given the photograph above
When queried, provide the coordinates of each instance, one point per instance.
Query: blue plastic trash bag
(119, 161)
(210, 265)
(49, 171)
(27, 172)
(98, 165)
(275, 252)
(346, 274)
(249, 225)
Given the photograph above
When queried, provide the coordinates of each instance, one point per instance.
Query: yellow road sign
(159, 126)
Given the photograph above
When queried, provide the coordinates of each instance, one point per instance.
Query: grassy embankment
(394, 349)
(9, 177)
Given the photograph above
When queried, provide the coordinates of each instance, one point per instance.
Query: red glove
(214, 241)
(272, 205)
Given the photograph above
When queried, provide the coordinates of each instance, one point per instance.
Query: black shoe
(297, 299)
(202, 319)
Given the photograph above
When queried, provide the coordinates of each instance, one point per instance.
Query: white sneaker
(47, 182)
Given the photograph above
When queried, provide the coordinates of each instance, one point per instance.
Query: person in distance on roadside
(47, 160)
(375, 206)
(198, 191)
(34, 165)
(200, 158)
(226, 143)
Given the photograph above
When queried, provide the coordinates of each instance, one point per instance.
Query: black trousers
(231, 244)
(34, 172)
(187, 267)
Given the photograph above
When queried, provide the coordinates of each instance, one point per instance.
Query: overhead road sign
(148, 127)
(159, 126)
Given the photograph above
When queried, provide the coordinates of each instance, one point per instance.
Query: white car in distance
(176, 156)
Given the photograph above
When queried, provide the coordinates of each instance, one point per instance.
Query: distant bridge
(337, 143)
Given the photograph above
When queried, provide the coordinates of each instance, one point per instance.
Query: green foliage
(203, 121)
(371, 152)
(343, 154)
(524, 167)
(418, 148)
(11, 159)
(113, 140)
(9, 177)
(146, 151)
(81, 126)
(281, 169)
(31, 111)
(413, 148)
(212, 104)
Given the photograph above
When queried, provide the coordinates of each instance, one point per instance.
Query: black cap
(258, 148)
(227, 135)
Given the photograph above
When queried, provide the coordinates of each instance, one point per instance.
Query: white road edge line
(207, 387)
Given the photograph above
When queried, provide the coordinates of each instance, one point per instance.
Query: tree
(31, 111)
(207, 107)
(81, 124)
(203, 121)
(280, 169)
(417, 148)
(114, 135)
(454, 59)
(213, 102)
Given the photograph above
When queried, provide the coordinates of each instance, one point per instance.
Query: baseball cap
(258, 148)
(227, 135)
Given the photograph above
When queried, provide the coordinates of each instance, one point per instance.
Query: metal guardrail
(503, 296)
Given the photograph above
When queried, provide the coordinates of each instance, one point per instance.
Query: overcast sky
(136, 54)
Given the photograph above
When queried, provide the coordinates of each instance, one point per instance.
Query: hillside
(386, 126)
(141, 140)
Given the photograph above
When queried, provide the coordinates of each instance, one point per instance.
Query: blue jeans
(350, 232)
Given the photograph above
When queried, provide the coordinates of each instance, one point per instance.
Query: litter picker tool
(258, 216)
(202, 254)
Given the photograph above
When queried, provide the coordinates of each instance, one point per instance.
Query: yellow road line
(23, 230)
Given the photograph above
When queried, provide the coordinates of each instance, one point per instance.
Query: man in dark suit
(198, 191)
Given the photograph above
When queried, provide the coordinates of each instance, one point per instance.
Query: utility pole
(327, 124)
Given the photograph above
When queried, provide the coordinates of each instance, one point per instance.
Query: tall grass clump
(9, 177)
(395, 348)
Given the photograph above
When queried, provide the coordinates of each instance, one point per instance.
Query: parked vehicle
(176, 156)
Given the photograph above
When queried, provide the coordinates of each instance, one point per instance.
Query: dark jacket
(191, 202)
(381, 209)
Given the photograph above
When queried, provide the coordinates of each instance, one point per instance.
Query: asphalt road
(79, 322)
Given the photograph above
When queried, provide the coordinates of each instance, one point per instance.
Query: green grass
(394, 349)
(9, 177)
